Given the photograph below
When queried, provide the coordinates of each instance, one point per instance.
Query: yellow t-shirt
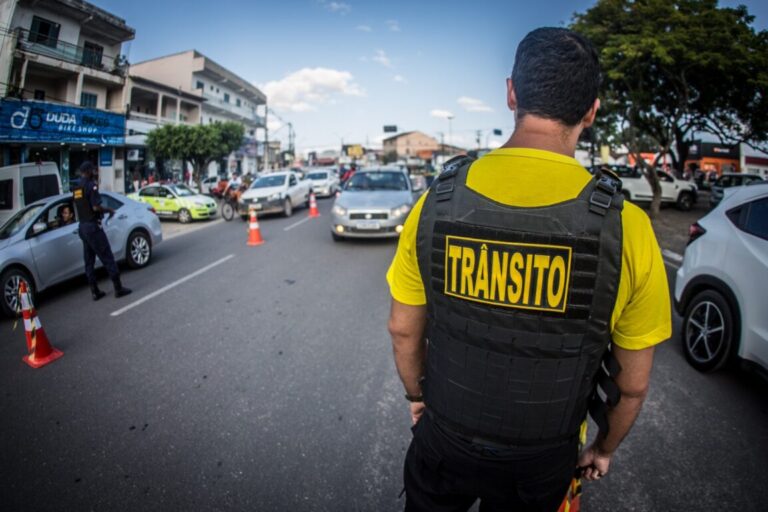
(533, 178)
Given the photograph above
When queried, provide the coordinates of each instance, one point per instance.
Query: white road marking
(172, 285)
(192, 230)
(302, 221)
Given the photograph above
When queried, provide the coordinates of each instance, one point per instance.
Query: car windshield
(269, 181)
(18, 221)
(182, 190)
(382, 180)
(316, 176)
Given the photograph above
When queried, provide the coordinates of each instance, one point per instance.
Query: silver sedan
(373, 204)
(39, 248)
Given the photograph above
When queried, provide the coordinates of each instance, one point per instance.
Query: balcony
(232, 109)
(90, 57)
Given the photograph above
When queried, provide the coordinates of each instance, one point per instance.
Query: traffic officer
(525, 294)
(90, 210)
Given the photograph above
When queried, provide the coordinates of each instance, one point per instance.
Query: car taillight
(695, 231)
(152, 210)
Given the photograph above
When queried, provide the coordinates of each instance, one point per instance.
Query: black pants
(95, 243)
(447, 472)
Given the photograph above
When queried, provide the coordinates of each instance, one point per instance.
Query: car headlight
(339, 210)
(200, 205)
(275, 196)
(400, 210)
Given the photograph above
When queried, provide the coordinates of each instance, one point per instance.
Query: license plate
(369, 225)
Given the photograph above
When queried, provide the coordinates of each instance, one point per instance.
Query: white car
(324, 182)
(275, 192)
(208, 183)
(635, 187)
(720, 288)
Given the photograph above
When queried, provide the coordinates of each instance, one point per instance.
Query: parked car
(177, 201)
(207, 184)
(720, 288)
(275, 192)
(37, 249)
(727, 180)
(681, 193)
(23, 184)
(324, 183)
(373, 204)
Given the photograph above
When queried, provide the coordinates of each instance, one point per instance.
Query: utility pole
(266, 138)
(478, 134)
(450, 130)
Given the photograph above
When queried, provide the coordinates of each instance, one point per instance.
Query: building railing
(90, 57)
(232, 107)
(151, 118)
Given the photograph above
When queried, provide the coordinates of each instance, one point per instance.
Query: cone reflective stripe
(254, 233)
(313, 212)
(40, 350)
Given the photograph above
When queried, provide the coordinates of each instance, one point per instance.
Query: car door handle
(122, 216)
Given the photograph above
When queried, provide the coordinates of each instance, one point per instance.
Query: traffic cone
(40, 350)
(254, 233)
(313, 206)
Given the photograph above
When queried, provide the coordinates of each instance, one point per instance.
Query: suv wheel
(10, 302)
(287, 208)
(685, 201)
(139, 249)
(708, 331)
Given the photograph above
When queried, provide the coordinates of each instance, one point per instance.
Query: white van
(22, 184)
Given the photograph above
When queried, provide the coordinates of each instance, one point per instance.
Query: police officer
(525, 294)
(90, 211)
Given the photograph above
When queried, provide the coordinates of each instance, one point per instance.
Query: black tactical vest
(519, 303)
(84, 209)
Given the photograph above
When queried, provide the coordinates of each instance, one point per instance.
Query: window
(110, 202)
(92, 55)
(39, 187)
(211, 87)
(6, 194)
(293, 181)
(226, 98)
(39, 94)
(757, 219)
(88, 99)
(149, 192)
(237, 102)
(199, 85)
(44, 32)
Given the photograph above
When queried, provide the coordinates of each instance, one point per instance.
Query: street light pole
(450, 131)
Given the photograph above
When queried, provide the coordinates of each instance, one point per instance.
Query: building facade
(227, 97)
(411, 144)
(62, 75)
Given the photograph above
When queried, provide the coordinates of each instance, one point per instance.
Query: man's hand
(594, 463)
(417, 409)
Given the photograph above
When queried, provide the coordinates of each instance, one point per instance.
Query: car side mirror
(39, 227)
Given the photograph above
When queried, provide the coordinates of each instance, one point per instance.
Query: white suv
(721, 286)
(682, 193)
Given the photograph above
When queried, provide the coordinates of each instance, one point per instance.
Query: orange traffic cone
(40, 350)
(313, 206)
(254, 233)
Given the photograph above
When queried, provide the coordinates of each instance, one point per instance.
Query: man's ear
(589, 117)
(511, 96)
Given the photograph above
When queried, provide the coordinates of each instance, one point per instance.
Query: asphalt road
(261, 378)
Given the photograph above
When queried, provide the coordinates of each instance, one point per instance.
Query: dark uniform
(95, 242)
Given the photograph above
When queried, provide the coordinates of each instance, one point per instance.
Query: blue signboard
(105, 157)
(39, 121)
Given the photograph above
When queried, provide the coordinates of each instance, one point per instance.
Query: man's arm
(632, 381)
(406, 326)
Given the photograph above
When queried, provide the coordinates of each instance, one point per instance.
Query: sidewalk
(671, 225)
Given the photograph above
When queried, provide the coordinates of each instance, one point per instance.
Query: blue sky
(340, 70)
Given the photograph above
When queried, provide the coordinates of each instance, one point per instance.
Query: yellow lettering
(528, 272)
(516, 288)
(454, 253)
(541, 262)
(467, 267)
(499, 275)
(555, 296)
(481, 282)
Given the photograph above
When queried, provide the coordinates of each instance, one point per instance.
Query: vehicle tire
(336, 238)
(708, 332)
(184, 216)
(138, 249)
(287, 208)
(9, 287)
(685, 201)
(227, 211)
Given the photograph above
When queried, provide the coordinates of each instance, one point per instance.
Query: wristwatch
(414, 398)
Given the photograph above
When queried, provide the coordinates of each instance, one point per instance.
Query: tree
(676, 68)
(198, 145)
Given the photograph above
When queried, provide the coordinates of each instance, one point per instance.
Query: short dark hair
(556, 75)
(87, 167)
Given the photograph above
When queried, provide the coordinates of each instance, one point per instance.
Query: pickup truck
(275, 192)
(635, 187)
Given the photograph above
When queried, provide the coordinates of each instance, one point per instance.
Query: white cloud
(400, 78)
(364, 28)
(393, 25)
(381, 58)
(441, 114)
(339, 7)
(473, 104)
(305, 89)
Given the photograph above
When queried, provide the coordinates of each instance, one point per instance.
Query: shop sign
(39, 121)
